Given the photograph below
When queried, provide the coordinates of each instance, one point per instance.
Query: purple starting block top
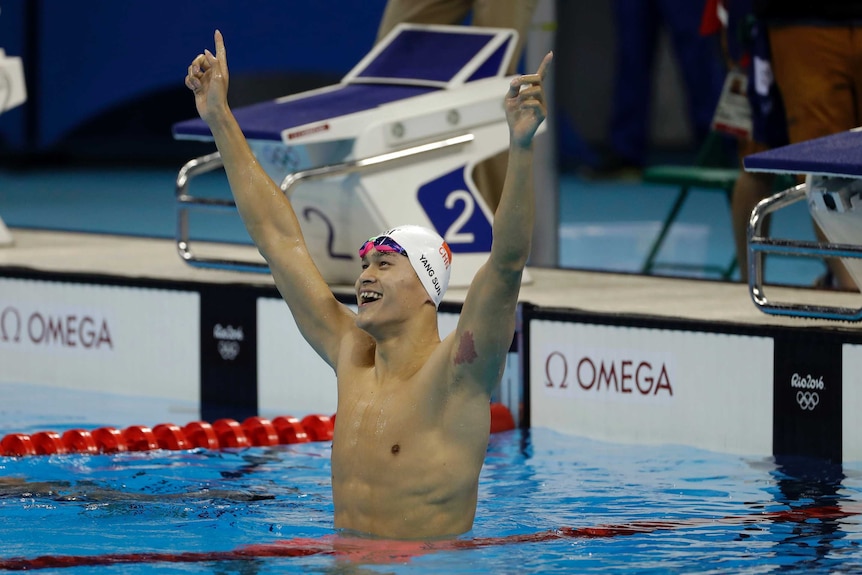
(835, 155)
(267, 120)
(412, 61)
(432, 56)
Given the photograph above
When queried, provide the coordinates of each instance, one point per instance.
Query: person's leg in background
(750, 188)
(637, 28)
(701, 64)
(449, 12)
(517, 14)
(768, 128)
(815, 68)
(489, 174)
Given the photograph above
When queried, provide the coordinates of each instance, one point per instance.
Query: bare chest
(380, 419)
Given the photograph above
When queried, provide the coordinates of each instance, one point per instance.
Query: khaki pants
(819, 72)
(517, 14)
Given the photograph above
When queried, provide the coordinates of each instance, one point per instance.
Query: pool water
(655, 510)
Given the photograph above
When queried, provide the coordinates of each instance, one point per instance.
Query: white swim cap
(428, 253)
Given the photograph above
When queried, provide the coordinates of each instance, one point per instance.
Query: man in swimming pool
(413, 411)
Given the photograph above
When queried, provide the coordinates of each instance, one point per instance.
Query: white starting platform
(833, 192)
(13, 92)
(395, 142)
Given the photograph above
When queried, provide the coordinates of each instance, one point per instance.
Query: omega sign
(53, 329)
(608, 374)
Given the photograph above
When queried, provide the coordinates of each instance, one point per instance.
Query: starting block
(13, 93)
(395, 142)
(833, 192)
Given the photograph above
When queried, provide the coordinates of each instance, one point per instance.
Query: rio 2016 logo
(807, 396)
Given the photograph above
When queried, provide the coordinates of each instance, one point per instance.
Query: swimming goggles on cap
(383, 244)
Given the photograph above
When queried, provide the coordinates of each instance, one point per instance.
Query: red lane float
(80, 441)
(48, 443)
(501, 418)
(318, 427)
(224, 433)
(260, 431)
(17, 445)
(201, 434)
(230, 433)
(140, 438)
(109, 440)
(290, 430)
(170, 436)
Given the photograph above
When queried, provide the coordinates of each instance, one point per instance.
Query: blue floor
(610, 225)
(604, 225)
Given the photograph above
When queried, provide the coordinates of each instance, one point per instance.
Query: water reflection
(811, 537)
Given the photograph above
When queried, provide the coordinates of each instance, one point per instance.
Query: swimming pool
(654, 509)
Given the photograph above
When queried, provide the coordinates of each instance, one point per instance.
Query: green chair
(709, 172)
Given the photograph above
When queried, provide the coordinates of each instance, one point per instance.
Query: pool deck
(586, 291)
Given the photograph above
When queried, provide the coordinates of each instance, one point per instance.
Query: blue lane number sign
(455, 212)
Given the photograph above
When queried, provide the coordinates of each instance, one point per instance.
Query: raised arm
(266, 212)
(487, 320)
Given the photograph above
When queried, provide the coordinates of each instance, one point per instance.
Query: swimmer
(413, 411)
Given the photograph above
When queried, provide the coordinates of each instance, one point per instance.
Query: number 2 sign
(456, 212)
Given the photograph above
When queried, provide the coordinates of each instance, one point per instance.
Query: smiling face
(427, 252)
(387, 291)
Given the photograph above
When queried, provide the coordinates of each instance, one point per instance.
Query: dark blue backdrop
(87, 59)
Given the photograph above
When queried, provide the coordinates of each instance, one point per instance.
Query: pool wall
(209, 350)
(751, 390)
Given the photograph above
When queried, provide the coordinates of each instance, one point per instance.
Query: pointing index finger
(221, 53)
(543, 67)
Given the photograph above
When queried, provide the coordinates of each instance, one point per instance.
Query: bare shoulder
(478, 347)
(458, 358)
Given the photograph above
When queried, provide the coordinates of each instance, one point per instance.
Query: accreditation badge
(733, 113)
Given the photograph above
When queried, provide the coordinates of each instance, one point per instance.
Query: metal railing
(759, 246)
(213, 161)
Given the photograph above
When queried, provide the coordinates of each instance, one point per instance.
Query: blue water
(533, 481)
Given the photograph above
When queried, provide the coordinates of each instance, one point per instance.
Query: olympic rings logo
(228, 350)
(807, 400)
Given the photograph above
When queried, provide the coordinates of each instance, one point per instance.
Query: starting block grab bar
(210, 162)
(426, 104)
(13, 92)
(759, 246)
